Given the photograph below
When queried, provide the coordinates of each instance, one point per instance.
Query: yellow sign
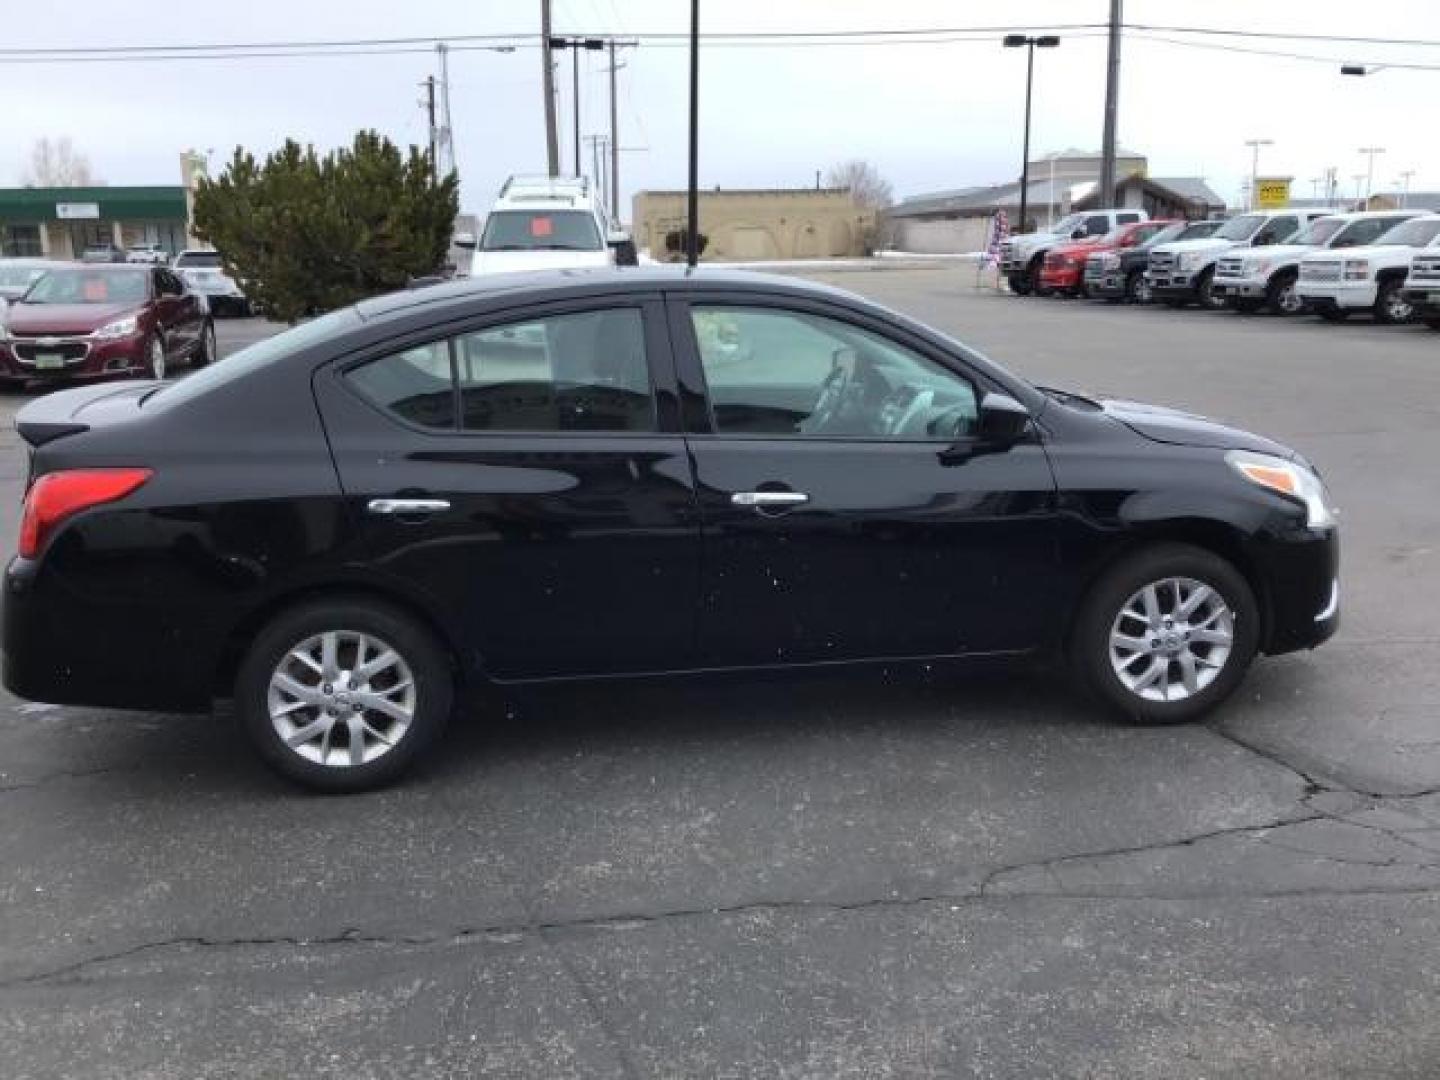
(1272, 192)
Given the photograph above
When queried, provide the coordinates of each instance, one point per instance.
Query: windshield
(1319, 231)
(1241, 228)
(81, 286)
(541, 230)
(1416, 233)
(15, 277)
(191, 259)
(1068, 224)
(256, 356)
(1199, 230)
(1165, 235)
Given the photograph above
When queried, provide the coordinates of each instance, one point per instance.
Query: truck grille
(1162, 262)
(1094, 267)
(1230, 268)
(1320, 271)
(1427, 269)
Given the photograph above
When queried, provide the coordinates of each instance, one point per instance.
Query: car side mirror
(624, 248)
(1002, 421)
(464, 240)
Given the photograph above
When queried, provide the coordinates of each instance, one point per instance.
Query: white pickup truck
(1335, 285)
(1422, 287)
(1022, 256)
(1250, 280)
(1183, 272)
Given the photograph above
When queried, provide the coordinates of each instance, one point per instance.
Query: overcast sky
(930, 116)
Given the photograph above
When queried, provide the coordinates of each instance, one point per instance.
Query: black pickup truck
(1113, 276)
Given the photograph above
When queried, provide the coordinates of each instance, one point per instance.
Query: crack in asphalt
(982, 892)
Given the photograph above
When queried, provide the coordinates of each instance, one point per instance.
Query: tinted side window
(1275, 230)
(1097, 225)
(789, 373)
(1364, 232)
(1128, 218)
(579, 372)
(415, 385)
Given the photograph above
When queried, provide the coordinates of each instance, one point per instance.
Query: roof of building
(978, 200)
(749, 191)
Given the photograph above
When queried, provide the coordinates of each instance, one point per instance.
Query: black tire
(1136, 291)
(1090, 654)
(1390, 307)
(1019, 284)
(204, 352)
(417, 648)
(1205, 292)
(1280, 296)
(1332, 314)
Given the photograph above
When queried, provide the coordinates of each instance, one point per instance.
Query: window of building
(21, 241)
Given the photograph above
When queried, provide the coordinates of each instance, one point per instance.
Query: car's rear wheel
(1391, 305)
(1166, 634)
(343, 695)
(155, 358)
(205, 349)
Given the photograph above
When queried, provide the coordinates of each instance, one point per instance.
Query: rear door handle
(405, 507)
(769, 498)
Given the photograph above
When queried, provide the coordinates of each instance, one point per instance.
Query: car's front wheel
(1205, 292)
(205, 348)
(1137, 288)
(1391, 305)
(343, 695)
(1166, 634)
(155, 358)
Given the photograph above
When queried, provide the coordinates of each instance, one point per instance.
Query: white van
(546, 223)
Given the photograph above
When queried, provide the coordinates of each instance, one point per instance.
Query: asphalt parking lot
(913, 875)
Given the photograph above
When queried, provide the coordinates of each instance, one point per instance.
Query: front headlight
(1288, 478)
(1357, 270)
(118, 329)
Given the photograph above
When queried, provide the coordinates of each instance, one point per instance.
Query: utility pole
(575, 103)
(429, 105)
(614, 184)
(1405, 187)
(692, 195)
(1112, 108)
(446, 140)
(1255, 145)
(1370, 152)
(552, 150)
(1359, 179)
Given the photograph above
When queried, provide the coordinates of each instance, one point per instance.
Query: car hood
(1209, 243)
(1284, 251)
(64, 318)
(1033, 240)
(1397, 252)
(1078, 249)
(516, 262)
(1177, 428)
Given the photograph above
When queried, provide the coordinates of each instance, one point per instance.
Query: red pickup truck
(1064, 268)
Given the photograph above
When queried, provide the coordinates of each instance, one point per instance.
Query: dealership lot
(909, 873)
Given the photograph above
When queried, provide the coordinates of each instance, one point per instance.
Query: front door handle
(406, 507)
(763, 499)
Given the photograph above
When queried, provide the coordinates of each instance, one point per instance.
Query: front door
(526, 475)
(848, 511)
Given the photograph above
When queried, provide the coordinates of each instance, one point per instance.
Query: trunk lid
(77, 410)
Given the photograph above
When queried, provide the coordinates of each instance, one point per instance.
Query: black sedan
(631, 473)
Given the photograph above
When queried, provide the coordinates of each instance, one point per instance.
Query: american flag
(999, 233)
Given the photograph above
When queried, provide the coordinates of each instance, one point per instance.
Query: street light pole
(1405, 187)
(1255, 145)
(1018, 41)
(692, 194)
(1370, 152)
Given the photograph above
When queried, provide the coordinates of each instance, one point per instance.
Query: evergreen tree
(307, 234)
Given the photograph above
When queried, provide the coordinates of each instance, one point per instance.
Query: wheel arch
(232, 653)
(1217, 537)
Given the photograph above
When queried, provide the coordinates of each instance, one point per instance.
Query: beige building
(745, 224)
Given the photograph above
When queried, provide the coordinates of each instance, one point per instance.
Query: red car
(1064, 268)
(82, 322)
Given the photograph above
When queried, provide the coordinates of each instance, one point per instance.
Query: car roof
(542, 285)
(105, 268)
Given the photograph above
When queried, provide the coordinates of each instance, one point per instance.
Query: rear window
(541, 230)
(197, 258)
(256, 356)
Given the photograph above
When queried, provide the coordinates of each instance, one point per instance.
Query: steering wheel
(833, 393)
(918, 404)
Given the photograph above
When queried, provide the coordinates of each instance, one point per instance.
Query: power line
(1276, 35)
(1310, 57)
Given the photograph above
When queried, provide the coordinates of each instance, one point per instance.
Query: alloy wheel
(1289, 301)
(157, 359)
(1141, 293)
(341, 699)
(1171, 639)
(1397, 308)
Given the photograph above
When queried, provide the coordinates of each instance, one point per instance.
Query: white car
(149, 254)
(1184, 272)
(204, 273)
(1335, 285)
(1251, 280)
(545, 223)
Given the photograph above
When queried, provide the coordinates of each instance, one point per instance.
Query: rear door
(847, 511)
(526, 474)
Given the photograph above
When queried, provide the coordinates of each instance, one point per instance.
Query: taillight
(59, 495)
